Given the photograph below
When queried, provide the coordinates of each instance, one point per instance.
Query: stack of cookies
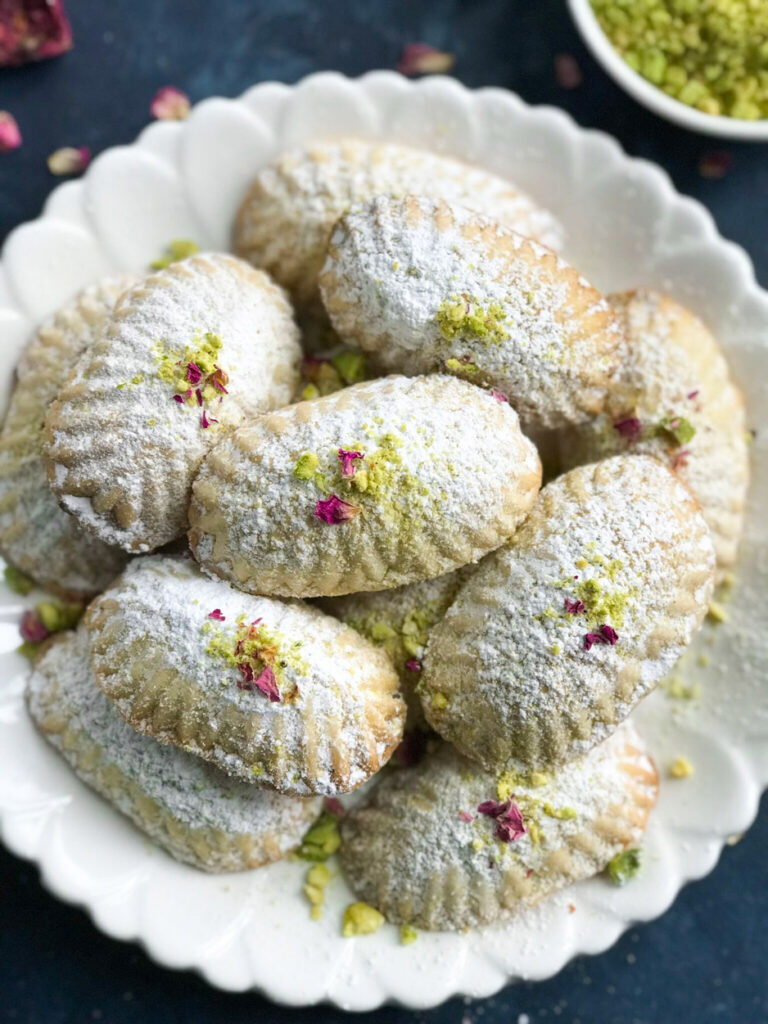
(301, 488)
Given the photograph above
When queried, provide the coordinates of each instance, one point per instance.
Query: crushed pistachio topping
(674, 428)
(676, 688)
(315, 884)
(306, 466)
(403, 637)
(408, 934)
(461, 316)
(322, 839)
(462, 365)
(439, 701)
(361, 919)
(261, 655)
(708, 54)
(178, 249)
(624, 867)
(48, 617)
(681, 768)
(17, 581)
(350, 366)
(717, 613)
(194, 374)
(561, 813)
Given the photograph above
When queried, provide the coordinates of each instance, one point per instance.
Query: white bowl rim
(650, 95)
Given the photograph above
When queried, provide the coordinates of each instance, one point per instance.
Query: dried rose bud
(567, 71)
(715, 165)
(170, 104)
(32, 628)
(69, 160)
(10, 136)
(422, 59)
(32, 30)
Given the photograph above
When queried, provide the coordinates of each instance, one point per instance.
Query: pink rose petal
(32, 30)
(334, 806)
(10, 136)
(32, 629)
(207, 421)
(348, 460)
(605, 635)
(69, 160)
(509, 819)
(499, 395)
(194, 374)
(335, 510)
(216, 614)
(629, 428)
(170, 104)
(574, 607)
(267, 683)
(567, 71)
(422, 59)
(466, 816)
(413, 664)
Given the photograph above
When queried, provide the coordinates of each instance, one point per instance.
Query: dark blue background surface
(703, 961)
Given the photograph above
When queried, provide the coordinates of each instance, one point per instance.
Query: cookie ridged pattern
(121, 451)
(510, 671)
(671, 365)
(445, 496)
(422, 284)
(419, 851)
(196, 813)
(36, 535)
(161, 658)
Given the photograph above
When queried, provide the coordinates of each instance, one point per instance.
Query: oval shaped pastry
(195, 812)
(382, 484)
(186, 354)
(447, 846)
(557, 636)
(36, 535)
(399, 621)
(674, 399)
(271, 692)
(287, 216)
(426, 285)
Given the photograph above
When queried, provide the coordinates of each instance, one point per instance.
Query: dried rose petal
(629, 428)
(411, 749)
(348, 460)
(32, 30)
(413, 664)
(567, 71)
(194, 374)
(216, 614)
(466, 816)
(32, 628)
(606, 635)
(422, 59)
(715, 165)
(198, 395)
(69, 160)
(681, 459)
(499, 395)
(574, 607)
(207, 421)
(692, 394)
(10, 136)
(334, 806)
(335, 510)
(493, 807)
(267, 683)
(179, 399)
(509, 818)
(219, 378)
(170, 104)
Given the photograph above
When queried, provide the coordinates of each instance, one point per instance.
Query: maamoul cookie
(185, 356)
(425, 285)
(556, 636)
(36, 535)
(194, 811)
(447, 846)
(399, 622)
(287, 216)
(674, 399)
(271, 692)
(382, 484)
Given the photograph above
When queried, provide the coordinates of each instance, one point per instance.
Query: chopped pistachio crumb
(562, 813)
(408, 934)
(538, 779)
(29, 650)
(681, 768)
(17, 581)
(172, 365)
(676, 428)
(306, 466)
(459, 366)
(506, 785)
(176, 250)
(350, 365)
(322, 839)
(624, 867)
(309, 392)
(58, 615)
(717, 613)
(461, 316)
(317, 880)
(680, 690)
(439, 701)
(478, 844)
(361, 919)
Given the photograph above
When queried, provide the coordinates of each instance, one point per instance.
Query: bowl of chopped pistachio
(702, 64)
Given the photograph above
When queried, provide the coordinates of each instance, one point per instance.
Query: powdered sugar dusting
(446, 476)
(129, 451)
(339, 717)
(507, 672)
(424, 284)
(65, 701)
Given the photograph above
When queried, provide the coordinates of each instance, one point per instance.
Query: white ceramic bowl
(626, 226)
(648, 94)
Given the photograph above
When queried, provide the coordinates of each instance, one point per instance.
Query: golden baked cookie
(399, 622)
(269, 691)
(192, 810)
(185, 356)
(424, 285)
(382, 484)
(556, 637)
(36, 535)
(674, 399)
(447, 846)
(286, 218)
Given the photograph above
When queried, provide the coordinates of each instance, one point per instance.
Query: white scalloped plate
(626, 226)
